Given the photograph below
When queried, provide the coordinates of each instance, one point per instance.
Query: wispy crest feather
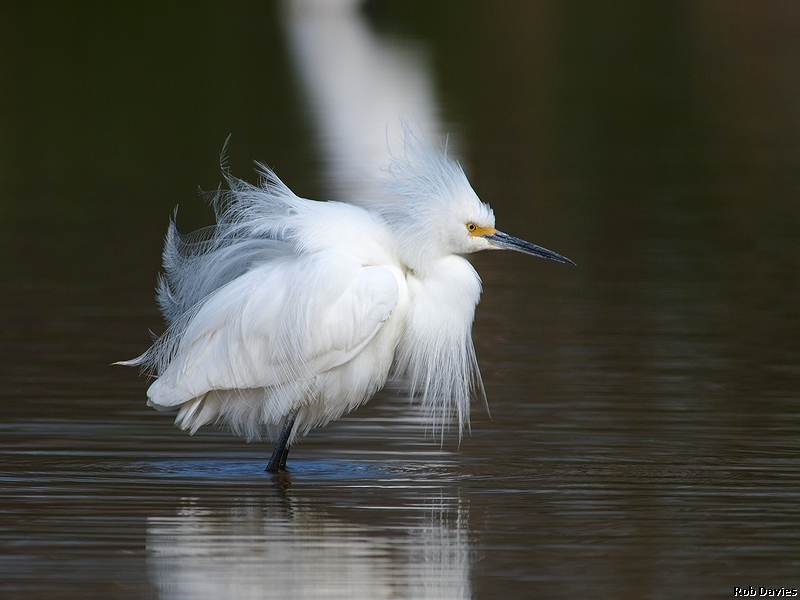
(425, 188)
(422, 174)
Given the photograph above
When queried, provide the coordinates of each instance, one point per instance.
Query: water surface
(644, 438)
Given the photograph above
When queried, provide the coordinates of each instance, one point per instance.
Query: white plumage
(290, 313)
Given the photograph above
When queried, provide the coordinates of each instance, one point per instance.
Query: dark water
(644, 438)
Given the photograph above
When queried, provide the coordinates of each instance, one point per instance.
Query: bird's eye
(472, 227)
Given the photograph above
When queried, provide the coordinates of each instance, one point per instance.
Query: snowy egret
(290, 313)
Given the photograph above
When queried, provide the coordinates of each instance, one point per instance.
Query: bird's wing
(287, 320)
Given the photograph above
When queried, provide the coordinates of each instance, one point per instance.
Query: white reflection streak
(440, 553)
(300, 553)
(359, 85)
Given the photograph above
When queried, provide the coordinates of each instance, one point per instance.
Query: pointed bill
(509, 242)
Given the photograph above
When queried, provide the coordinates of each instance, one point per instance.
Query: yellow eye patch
(476, 230)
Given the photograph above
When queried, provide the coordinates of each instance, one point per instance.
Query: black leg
(277, 462)
(284, 456)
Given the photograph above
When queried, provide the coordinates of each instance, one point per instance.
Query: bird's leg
(284, 456)
(277, 462)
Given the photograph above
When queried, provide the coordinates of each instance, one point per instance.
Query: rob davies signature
(764, 592)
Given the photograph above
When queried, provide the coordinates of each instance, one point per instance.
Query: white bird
(290, 313)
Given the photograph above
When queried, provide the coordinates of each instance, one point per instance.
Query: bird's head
(440, 214)
(476, 231)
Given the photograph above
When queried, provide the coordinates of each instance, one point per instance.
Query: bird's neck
(436, 355)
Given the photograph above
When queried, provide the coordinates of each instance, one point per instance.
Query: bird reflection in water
(282, 546)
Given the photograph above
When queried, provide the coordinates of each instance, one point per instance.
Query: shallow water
(644, 438)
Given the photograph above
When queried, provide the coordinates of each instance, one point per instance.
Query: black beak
(509, 242)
